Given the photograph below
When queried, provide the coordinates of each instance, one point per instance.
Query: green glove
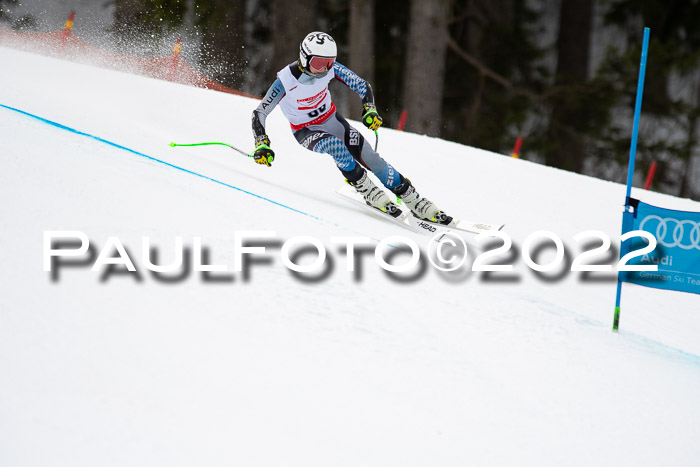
(371, 118)
(263, 154)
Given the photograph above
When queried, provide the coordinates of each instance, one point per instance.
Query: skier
(301, 89)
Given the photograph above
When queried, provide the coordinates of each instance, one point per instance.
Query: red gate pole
(175, 59)
(516, 148)
(67, 29)
(402, 120)
(650, 175)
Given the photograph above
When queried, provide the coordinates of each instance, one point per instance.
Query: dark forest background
(560, 73)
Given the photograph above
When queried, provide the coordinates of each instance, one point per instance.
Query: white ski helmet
(317, 49)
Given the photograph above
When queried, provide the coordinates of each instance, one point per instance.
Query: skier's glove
(263, 154)
(371, 118)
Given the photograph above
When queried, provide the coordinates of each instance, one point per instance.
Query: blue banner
(677, 253)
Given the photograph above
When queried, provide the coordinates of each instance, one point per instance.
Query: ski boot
(375, 196)
(422, 208)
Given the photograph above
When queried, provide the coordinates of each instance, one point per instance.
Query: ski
(408, 220)
(457, 224)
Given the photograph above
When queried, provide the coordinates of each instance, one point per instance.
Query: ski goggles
(321, 63)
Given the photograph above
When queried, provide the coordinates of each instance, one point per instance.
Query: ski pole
(376, 140)
(211, 143)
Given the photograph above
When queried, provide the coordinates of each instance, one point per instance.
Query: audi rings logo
(672, 232)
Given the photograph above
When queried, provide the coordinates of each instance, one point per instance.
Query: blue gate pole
(630, 168)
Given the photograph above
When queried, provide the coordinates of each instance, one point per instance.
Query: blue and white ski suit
(306, 102)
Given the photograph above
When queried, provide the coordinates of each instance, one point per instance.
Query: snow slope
(266, 369)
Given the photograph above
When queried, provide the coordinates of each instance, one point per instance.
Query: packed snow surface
(339, 368)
